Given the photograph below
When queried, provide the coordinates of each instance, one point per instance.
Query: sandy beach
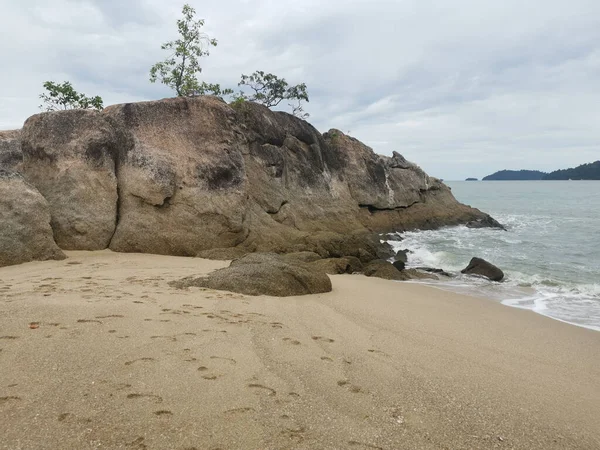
(99, 352)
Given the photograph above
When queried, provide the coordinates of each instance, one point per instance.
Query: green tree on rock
(270, 90)
(64, 96)
(180, 70)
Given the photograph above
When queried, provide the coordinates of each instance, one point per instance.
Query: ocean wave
(547, 275)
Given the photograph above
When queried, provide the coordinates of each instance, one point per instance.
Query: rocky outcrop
(26, 234)
(485, 222)
(182, 186)
(196, 176)
(338, 266)
(263, 274)
(11, 155)
(384, 269)
(69, 156)
(481, 267)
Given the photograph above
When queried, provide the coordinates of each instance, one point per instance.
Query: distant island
(471, 179)
(589, 171)
(516, 175)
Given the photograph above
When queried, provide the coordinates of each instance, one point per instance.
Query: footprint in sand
(231, 360)
(128, 363)
(352, 388)
(88, 321)
(9, 398)
(137, 444)
(372, 350)
(115, 316)
(156, 398)
(68, 417)
(239, 411)
(364, 445)
(326, 358)
(163, 412)
(291, 341)
(322, 339)
(269, 390)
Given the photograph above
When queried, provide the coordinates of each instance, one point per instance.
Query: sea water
(550, 253)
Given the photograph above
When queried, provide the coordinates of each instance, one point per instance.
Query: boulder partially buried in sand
(386, 270)
(263, 274)
(481, 267)
(26, 234)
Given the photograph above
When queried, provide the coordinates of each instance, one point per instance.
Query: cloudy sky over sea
(462, 87)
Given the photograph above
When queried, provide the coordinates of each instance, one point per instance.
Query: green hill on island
(589, 171)
(515, 175)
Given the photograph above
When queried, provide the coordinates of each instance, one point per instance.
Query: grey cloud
(463, 88)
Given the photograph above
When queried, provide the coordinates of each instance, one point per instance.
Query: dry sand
(121, 360)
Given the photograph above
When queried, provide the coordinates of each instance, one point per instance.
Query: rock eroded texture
(190, 176)
(25, 218)
(69, 156)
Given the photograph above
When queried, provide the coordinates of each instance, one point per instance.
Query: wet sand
(99, 352)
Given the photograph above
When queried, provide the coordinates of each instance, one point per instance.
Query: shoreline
(470, 292)
(118, 359)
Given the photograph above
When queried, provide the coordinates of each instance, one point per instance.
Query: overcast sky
(463, 87)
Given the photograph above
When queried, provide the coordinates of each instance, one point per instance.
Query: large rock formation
(69, 156)
(195, 176)
(25, 234)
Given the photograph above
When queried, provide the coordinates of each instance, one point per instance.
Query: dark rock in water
(336, 266)
(400, 265)
(395, 237)
(481, 267)
(263, 274)
(402, 255)
(436, 271)
(485, 222)
(471, 179)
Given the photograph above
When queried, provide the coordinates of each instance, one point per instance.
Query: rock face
(69, 156)
(183, 184)
(481, 267)
(264, 274)
(11, 155)
(195, 176)
(26, 234)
